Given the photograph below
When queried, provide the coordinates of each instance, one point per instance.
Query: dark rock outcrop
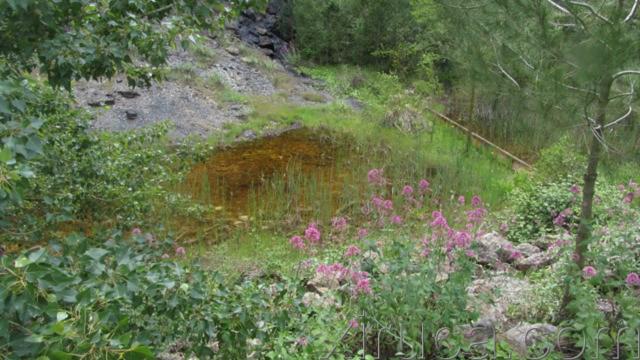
(262, 29)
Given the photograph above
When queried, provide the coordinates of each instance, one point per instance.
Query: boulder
(527, 249)
(131, 115)
(129, 94)
(265, 42)
(489, 249)
(537, 260)
(493, 296)
(523, 336)
(232, 50)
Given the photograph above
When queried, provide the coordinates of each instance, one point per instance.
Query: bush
(86, 175)
(125, 298)
(549, 207)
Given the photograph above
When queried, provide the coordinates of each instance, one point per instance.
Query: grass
(313, 97)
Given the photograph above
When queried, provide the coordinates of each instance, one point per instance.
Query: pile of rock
(261, 30)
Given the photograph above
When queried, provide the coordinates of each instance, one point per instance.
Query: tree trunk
(589, 189)
(591, 174)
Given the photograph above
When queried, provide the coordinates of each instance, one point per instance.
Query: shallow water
(294, 169)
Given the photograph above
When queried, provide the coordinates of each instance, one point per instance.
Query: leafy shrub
(547, 207)
(561, 160)
(125, 298)
(88, 175)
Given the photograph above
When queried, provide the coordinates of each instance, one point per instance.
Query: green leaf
(21, 262)
(34, 339)
(5, 155)
(140, 352)
(96, 253)
(59, 355)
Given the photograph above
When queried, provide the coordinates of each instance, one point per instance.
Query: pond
(295, 176)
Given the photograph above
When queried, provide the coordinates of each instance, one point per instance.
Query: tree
(68, 40)
(576, 57)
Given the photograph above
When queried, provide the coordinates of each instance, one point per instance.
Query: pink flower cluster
(339, 223)
(352, 251)
(575, 189)
(407, 191)
(589, 271)
(361, 283)
(561, 219)
(376, 177)
(455, 239)
(423, 185)
(297, 242)
(631, 191)
(311, 234)
(633, 279)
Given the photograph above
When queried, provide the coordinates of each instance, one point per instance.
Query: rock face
(262, 30)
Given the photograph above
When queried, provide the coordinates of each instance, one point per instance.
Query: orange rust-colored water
(230, 176)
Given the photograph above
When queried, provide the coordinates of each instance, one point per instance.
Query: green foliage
(561, 160)
(89, 176)
(394, 36)
(537, 204)
(69, 40)
(120, 298)
(416, 296)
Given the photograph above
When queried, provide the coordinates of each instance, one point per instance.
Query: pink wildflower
(312, 233)
(423, 185)
(335, 271)
(628, 199)
(439, 220)
(136, 232)
(302, 341)
(462, 239)
(589, 271)
(476, 215)
(425, 252)
(376, 177)
(575, 189)
(352, 251)
(396, 219)
(353, 324)
(476, 201)
(461, 200)
(633, 279)
(470, 253)
(363, 286)
(377, 201)
(297, 242)
(362, 233)
(407, 191)
(515, 255)
(387, 205)
(339, 223)
(180, 251)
